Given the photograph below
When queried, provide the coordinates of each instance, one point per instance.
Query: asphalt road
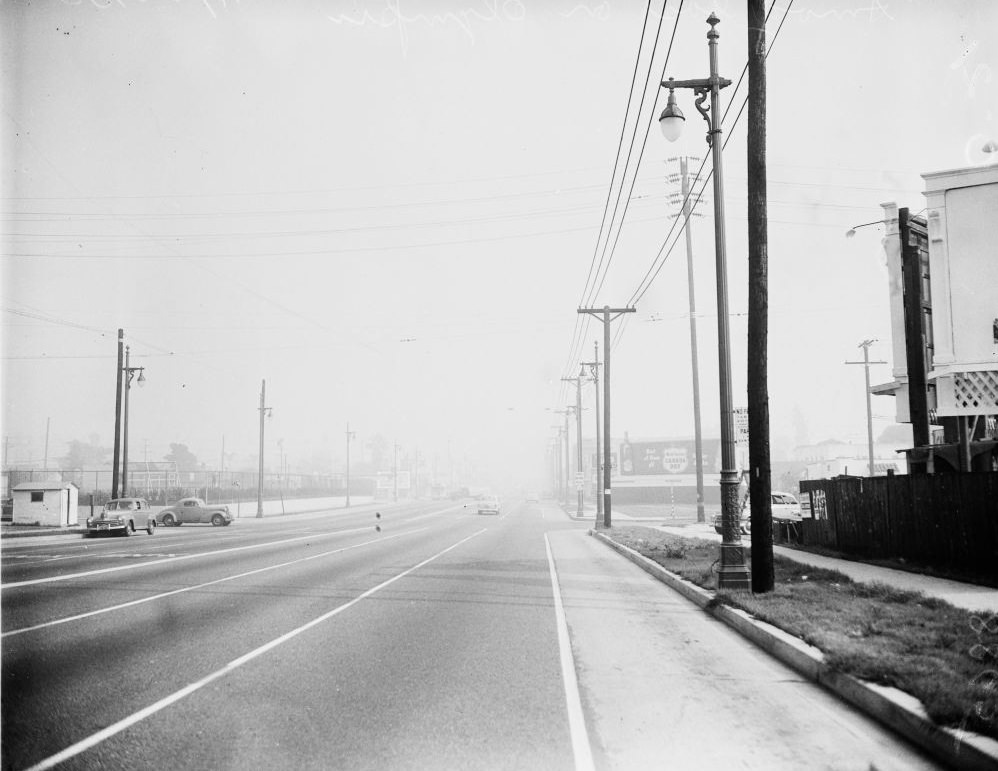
(443, 640)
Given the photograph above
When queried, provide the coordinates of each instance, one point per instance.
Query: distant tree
(184, 458)
(84, 455)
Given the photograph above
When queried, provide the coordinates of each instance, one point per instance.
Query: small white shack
(46, 503)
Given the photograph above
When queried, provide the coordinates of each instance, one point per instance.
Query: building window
(37, 496)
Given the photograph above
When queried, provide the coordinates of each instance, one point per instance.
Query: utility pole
(606, 314)
(265, 411)
(564, 481)
(117, 415)
(350, 435)
(760, 482)
(128, 374)
(684, 171)
(559, 477)
(594, 370)
(568, 455)
(579, 476)
(865, 345)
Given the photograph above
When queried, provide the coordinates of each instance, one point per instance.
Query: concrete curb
(895, 709)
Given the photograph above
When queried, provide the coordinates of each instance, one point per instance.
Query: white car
(786, 508)
(489, 505)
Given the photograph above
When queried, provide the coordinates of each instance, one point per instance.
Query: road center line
(163, 595)
(573, 702)
(122, 725)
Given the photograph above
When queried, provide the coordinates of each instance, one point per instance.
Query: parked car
(123, 515)
(188, 510)
(786, 508)
(489, 505)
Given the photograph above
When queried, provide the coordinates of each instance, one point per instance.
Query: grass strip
(944, 656)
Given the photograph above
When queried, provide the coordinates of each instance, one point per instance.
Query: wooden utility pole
(606, 314)
(760, 483)
(117, 415)
(264, 413)
(865, 345)
(694, 356)
(594, 371)
(578, 442)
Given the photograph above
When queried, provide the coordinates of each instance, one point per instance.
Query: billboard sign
(675, 457)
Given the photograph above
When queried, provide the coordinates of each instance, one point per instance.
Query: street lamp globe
(671, 120)
(142, 378)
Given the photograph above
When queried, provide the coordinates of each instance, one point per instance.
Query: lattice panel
(975, 393)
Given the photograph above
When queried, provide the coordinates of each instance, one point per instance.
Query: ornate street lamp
(733, 573)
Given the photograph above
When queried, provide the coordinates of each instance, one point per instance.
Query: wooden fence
(946, 521)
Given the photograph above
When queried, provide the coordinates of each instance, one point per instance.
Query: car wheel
(217, 520)
(151, 526)
(129, 527)
(169, 520)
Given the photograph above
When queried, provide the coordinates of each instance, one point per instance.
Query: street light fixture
(733, 573)
(129, 373)
(852, 231)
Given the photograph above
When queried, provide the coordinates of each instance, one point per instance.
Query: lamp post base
(733, 573)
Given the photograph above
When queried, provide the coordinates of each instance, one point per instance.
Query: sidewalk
(968, 596)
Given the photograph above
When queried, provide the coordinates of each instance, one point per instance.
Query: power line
(583, 324)
(587, 293)
(657, 264)
(644, 140)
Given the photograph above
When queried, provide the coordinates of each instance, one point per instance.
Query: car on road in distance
(786, 508)
(194, 510)
(123, 515)
(488, 504)
(533, 497)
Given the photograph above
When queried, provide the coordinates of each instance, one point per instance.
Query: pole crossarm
(697, 84)
(608, 314)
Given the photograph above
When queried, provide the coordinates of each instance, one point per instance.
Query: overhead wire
(582, 320)
(591, 288)
(644, 140)
(659, 261)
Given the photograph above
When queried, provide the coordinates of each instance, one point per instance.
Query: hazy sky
(388, 210)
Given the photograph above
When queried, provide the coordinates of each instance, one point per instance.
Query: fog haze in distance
(389, 212)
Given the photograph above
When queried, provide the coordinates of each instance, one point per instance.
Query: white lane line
(573, 702)
(161, 596)
(126, 723)
(101, 571)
